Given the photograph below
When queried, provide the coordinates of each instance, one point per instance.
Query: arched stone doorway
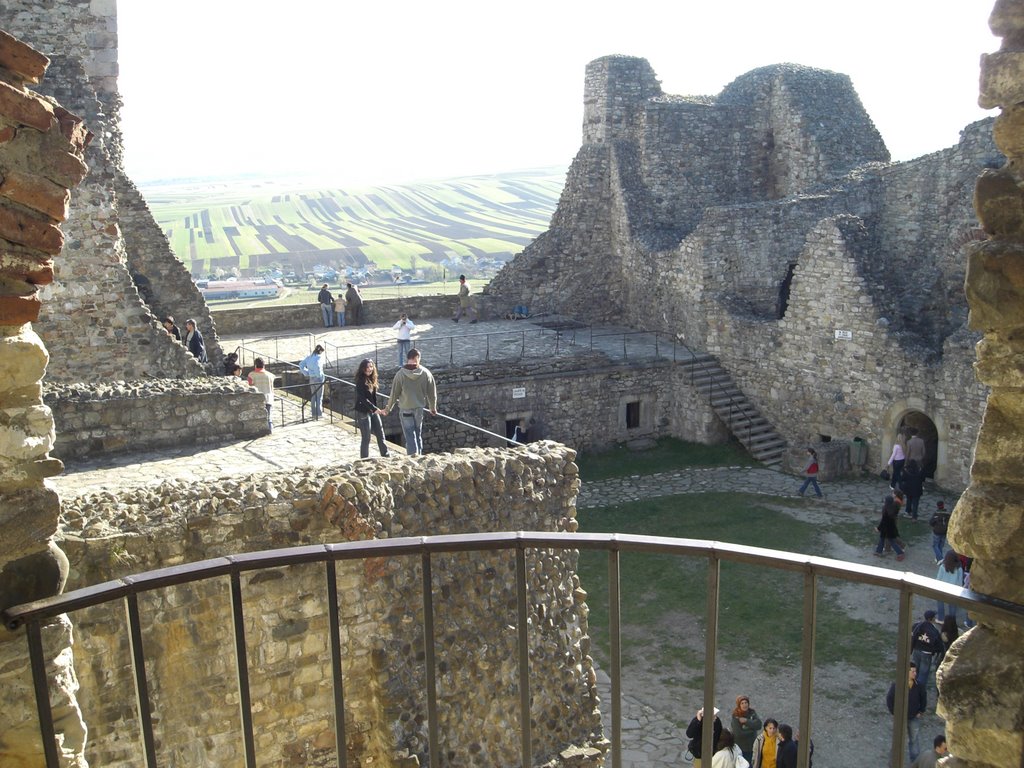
(927, 430)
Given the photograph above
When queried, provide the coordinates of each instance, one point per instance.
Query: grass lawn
(667, 455)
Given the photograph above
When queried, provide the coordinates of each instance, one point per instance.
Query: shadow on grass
(667, 454)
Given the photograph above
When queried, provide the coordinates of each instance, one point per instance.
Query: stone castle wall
(188, 630)
(96, 322)
(42, 146)
(118, 417)
(694, 216)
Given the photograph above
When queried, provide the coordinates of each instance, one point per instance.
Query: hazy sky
(384, 92)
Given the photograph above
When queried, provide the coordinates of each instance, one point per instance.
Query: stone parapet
(158, 413)
(472, 490)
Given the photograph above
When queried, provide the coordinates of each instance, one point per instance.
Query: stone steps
(745, 422)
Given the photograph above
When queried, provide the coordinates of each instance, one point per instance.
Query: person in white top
(264, 382)
(405, 327)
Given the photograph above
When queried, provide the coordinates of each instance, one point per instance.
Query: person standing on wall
(263, 380)
(367, 411)
(194, 341)
(465, 305)
(405, 327)
(326, 305)
(339, 310)
(412, 390)
(313, 368)
(353, 304)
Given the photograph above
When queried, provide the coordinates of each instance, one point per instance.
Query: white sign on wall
(844, 335)
(518, 393)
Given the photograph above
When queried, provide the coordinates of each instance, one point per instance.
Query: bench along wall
(160, 413)
(187, 631)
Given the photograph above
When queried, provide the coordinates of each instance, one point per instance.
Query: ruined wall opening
(928, 432)
(784, 287)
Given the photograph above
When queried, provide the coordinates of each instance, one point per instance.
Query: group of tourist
(193, 339)
(345, 309)
(749, 742)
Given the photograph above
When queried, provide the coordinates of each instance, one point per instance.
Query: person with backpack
(811, 474)
(939, 523)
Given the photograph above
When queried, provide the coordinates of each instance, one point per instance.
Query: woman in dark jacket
(194, 341)
(367, 411)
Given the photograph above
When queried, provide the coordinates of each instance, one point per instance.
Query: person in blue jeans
(326, 301)
(404, 327)
(412, 391)
(939, 523)
(917, 702)
(313, 367)
(811, 473)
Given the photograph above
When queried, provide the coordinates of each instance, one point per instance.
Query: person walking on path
(939, 523)
(412, 390)
(925, 647)
(695, 732)
(912, 485)
(194, 341)
(897, 459)
(746, 725)
(171, 328)
(915, 447)
(313, 368)
(368, 412)
(339, 310)
(264, 383)
(405, 327)
(887, 530)
(951, 572)
(326, 305)
(353, 304)
(811, 473)
(465, 305)
(917, 701)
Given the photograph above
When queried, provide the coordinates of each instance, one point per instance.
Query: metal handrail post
(433, 730)
(242, 666)
(523, 626)
(487, 348)
(131, 605)
(40, 682)
(899, 703)
(707, 740)
(334, 623)
(451, 350)
(615, 646)
(807, 648)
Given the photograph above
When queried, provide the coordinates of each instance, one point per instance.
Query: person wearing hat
(695, 732)
(926, 646)
(939, 522)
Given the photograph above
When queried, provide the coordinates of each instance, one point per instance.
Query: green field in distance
(423, 227)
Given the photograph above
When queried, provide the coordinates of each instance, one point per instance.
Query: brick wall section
(381, 614)
(41, 159)
(120, 417)
(686, 214)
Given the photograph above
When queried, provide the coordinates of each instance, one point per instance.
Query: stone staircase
(745, 422)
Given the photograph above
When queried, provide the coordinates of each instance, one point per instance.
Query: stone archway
(912, 412)
(927, 430)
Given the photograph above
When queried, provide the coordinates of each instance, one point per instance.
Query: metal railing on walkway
(33, 616)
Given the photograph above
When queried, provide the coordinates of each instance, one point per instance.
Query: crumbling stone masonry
(187, 630)
(41, 151)
(766, 226)
(982, 678)
(101, 318)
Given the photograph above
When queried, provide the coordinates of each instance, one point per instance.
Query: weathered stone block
(36, 193)
(995, 285)
(999, 203)
(25, 108)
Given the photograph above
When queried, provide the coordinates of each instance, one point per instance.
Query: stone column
(981, 681)
(41, 150)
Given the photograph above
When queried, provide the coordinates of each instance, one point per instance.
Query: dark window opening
(824, 438)
(633, 414)
(515, 429)
(784, 291)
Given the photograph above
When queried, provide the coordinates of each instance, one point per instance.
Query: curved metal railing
(32, 616)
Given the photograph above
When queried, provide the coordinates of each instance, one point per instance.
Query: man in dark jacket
(353, 305)
(926, 646)
(916, 702)
(695, 731)
(326, 301)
